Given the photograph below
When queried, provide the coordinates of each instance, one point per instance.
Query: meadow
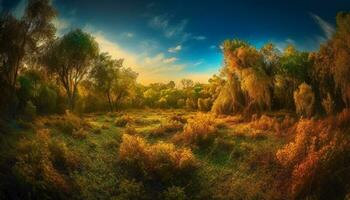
(76, 123)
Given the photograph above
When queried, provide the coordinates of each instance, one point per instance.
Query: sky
(167, 40)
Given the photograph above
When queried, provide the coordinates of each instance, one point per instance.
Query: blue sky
(168, 40)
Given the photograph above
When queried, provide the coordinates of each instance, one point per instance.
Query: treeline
(43, 74)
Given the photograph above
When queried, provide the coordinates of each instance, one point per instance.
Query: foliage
(200, 130)
(43, 166)
(160, 161)
(304, 99)
(319, 150)
(70, 58)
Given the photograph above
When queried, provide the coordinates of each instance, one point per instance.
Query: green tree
(70, 58)
(105, 74)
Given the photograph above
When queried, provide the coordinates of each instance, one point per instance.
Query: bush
(29, 110)
(47, 100)
(328, 104)
(320, 149)
(130, 189)
(304, 99)
(123, 121)
(180, 103)
(204, 104)
(159, 162)
(169, 126)
(190, 104)
(69, 124)
(200, 130)
(43, 166)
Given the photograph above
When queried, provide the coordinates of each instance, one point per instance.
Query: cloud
(200, 37)
(326, 27)
(175, 49)
(198, 63)
(61, 25)
(129, 35)
(151, 68)
(170, 30)
(213, 47)
(170, 60)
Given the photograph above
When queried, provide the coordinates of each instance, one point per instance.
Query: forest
(75, 123)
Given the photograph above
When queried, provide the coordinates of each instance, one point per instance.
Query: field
(237, 162)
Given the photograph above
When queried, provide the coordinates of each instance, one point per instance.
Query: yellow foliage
(199, 130)
(157, 161)
(304, 99)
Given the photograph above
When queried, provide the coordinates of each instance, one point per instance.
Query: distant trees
(70, 59)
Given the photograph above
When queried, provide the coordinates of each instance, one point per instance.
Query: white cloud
(170, 60)
(326, 27)
(151, 68)
(198, 63)
(129, 35)
(213, 47)
(175, 49)
(61, 25)
(200, 37)
(174, 30)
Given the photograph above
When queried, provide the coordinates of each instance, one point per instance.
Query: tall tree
(105, 74)
(20, 39)
(70, 58)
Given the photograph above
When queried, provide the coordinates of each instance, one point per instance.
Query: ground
(237, 164)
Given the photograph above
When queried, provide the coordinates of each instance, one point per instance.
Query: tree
(187, 83)
(70, 58)
(20, 40)
(105, 74)
(124, 86)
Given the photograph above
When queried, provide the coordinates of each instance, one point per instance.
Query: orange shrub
(319, 149)
(200, 130)
(44, 165)
(160, 161)
(123, 121)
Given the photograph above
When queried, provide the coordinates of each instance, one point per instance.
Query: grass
(233, 155)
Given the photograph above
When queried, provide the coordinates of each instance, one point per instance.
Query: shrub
(180, 103)
(43, 165)
(190, 104)
(204, 104)
(174, 193)
(319, 149)
(130, 189)
(160, 161)
(30, 110)
(328, 104)
(200, 130)
(265, 123)
(169, 126)
(47, 100)
(130, 130)
(304, 99)
(123, 121)
(80, 133)
(70, 124)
